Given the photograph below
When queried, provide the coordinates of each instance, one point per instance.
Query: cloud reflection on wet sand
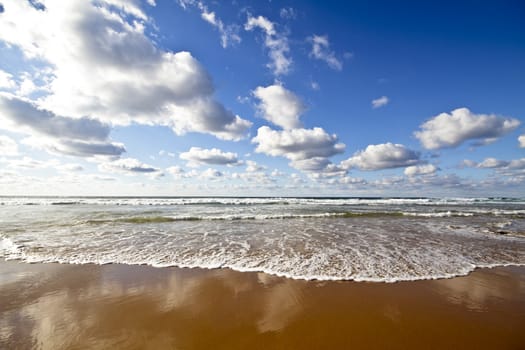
(115, 306)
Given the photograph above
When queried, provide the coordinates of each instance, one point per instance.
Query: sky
(262, 98)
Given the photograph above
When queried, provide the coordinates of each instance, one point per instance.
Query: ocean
(360, 239)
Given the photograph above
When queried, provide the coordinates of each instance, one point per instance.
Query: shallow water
(362, 239)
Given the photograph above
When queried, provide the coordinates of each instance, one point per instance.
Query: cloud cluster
(104, 66)
(127, 166)
(307, 149)
(321, 51)
(276, 43)
(80, 137)
(197, 156)
(382, 156)
(448, 130)
(494, 163)
(279, 106)
(425, 169)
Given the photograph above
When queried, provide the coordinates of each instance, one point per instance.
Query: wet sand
(52, 306)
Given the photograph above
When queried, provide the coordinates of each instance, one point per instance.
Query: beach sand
(53, 306)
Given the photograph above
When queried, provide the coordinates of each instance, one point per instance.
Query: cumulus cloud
(211, 174)
(307, 149)
(382, 156)
(521, 140)
(279, 106)
(297, 144)
(252, 167)
(276, 43)
(517, 164)
(380, 102)
(492, 163)
(8, 146)
(311, 164)
(197, 156)
(83, 137)
(176, 171)
(467, 163)
(448, 130)
(425, 169)
(105, 67)
(321, 51)
(510, 171)
(127, 166)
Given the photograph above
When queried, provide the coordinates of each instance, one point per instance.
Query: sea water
(361, 239)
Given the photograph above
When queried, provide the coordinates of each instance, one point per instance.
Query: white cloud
(517, 164)
(492, 163)
(197, 156)
(321, 51)
(127, 166)
(382, 156)
(425, 169)
(380, 102)
(276, 43)
(252, 167)
(105, 67)
(297, 144)
(8, 146)
(521, 140)
(352, 181)
(30, 163)
(467, 163)
(279, 106)
(6, 80)
(82, 137)
(176, 171)
(318, 168)
(211, 174)
(254, 177)
(288, 13)
(450, 130)
(311, 164)
(166, 153)
(229, 33)
(307, 149)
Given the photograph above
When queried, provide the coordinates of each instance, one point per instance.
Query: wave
(247, 201)
(145, 219)
(287, 269)
(380, 251)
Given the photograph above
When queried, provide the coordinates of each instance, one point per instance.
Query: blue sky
(334, 98)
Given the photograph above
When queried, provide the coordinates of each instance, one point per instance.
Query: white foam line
(210, 266)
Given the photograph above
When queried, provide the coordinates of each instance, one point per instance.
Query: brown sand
(51, 306)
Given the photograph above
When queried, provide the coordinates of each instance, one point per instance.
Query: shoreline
(62, 306)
